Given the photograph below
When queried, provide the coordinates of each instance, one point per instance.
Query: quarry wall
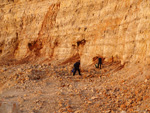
(53, 29)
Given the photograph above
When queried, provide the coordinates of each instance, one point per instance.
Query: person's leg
(100, 66)
(79, 71)
(74, 72)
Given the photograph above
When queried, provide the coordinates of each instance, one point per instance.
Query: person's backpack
(72, 70)
(96, 65)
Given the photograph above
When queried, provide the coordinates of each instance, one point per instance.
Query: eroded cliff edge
(59, 30)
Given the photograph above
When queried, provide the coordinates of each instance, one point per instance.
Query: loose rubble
(48, 88)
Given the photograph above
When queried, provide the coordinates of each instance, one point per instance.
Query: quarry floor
(47, 88)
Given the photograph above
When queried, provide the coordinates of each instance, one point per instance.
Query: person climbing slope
(76, 68)
(100, 62)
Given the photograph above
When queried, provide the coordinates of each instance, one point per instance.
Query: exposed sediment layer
(62, 29)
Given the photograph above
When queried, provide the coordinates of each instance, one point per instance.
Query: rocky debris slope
(63, 31)
(50, 88)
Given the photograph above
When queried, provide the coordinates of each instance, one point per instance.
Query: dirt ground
(47, 88)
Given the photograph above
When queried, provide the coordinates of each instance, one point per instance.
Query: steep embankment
(62, 29)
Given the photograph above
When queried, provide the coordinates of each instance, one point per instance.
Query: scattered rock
(123, 112)
(9, 107)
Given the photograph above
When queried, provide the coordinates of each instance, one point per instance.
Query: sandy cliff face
(63, 29)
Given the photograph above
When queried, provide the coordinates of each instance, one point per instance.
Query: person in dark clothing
(100, 62)
(76, 68)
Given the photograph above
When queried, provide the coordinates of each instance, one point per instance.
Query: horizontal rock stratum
(62, 29)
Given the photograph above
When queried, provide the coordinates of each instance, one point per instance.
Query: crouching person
(100, 62)
(76, 68)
